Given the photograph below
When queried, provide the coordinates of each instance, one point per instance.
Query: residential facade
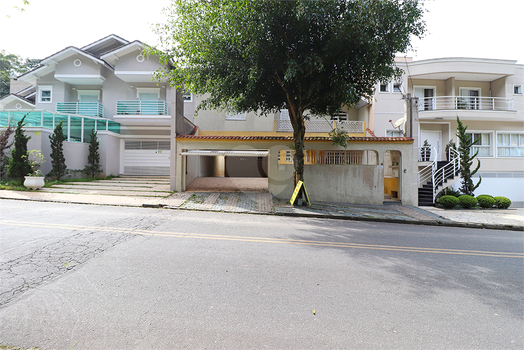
(146, 127)
(487, 96)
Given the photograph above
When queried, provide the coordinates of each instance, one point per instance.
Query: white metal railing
(427, 154)
(141, 108)
(351, 126)
(465, 102)
(89, 109)
(437, 177)
(322, 125)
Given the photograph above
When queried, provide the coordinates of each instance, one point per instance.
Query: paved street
(136, 278)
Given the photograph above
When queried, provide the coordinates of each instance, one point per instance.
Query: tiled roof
(289, 138)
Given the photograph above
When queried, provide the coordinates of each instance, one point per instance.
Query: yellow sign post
(300, 186)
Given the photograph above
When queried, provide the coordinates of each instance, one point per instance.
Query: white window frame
(491, 146)
(394, 131)
(478, 104)
(520, 145)
(186, 94)
(421, 101)
(43, 88)
(147, 91)
(388, 88)
(519, 92)
(399, 84)
(236, 116)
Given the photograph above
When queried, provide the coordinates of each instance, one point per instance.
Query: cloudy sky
(456, 28)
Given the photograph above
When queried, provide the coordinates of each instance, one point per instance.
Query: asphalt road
(95, 277)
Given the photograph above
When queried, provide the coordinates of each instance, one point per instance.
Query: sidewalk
(154, 193)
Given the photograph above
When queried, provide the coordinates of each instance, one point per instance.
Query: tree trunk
(299, 132)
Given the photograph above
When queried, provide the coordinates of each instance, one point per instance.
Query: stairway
(446, 178)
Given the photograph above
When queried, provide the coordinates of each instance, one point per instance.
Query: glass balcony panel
(89, 125)
(114, 127)
(101, 125)
(4, 119)
(48, 120)
(141, 108)
(88, 109)
(76, 129)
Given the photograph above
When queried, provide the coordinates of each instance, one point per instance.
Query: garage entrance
(226, 170)
(147, 157)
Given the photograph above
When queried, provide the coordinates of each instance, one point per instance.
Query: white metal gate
(147, 157)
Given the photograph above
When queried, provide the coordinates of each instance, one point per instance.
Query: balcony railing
(466, 103)
(323, 126)
(141, 108)
(88, 109)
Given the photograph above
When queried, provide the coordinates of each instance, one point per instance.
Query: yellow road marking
(266, 240)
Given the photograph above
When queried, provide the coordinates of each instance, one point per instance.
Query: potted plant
(450, 145)
(35, 179)
(425, 151)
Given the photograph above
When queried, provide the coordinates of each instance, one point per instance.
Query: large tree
(12, 65)
(261, 56)
(467, 156)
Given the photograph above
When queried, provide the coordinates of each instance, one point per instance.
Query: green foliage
(448, 191)
(36, 159)
(467, 201)
(425, 151)
(57, 152)
(261, 56)
(466, 159)
(502, 202)
(93, 167)
(485, 201)
(19, 165)
(448, 202)
(10, 66)
(450, 145)
(339, 137)
(5, 134)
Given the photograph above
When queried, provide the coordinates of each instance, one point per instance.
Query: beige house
(487, 96)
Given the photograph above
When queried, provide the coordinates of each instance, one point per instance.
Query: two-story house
(105, 86)
(486, 94)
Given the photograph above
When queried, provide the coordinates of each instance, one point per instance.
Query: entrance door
(434, 139)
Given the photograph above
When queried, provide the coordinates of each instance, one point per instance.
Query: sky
(455, 28)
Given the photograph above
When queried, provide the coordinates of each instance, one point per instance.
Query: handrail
(439, 176)
(485, 103)
(141, 107)
(427, 172)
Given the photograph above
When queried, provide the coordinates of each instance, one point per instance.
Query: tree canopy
(12, 65)
(262, 56)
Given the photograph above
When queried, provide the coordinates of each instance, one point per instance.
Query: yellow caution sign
(300, 187)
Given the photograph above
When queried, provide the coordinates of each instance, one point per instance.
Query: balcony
(450, 103)
(141, 108)
(324, 126)
(88, 109)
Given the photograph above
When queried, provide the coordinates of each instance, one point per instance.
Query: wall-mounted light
(405, 171)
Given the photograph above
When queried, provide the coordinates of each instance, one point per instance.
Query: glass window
(510, 145)
(394, 133)
(517, 89)
(483, 144)
(397, 87)
(45, 94)
(188, 97)
(236, 116)
(384, 87)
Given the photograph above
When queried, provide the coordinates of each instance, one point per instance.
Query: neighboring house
(486, 94)
(106, 86)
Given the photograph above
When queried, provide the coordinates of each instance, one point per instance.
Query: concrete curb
(442, 223)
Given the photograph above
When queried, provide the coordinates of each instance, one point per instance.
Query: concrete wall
(75, 154)
(109, 152)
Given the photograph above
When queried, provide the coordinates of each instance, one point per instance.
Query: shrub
(467, 201)
(486, 201)
(502, 202)
(448, 191)
(448, 202)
